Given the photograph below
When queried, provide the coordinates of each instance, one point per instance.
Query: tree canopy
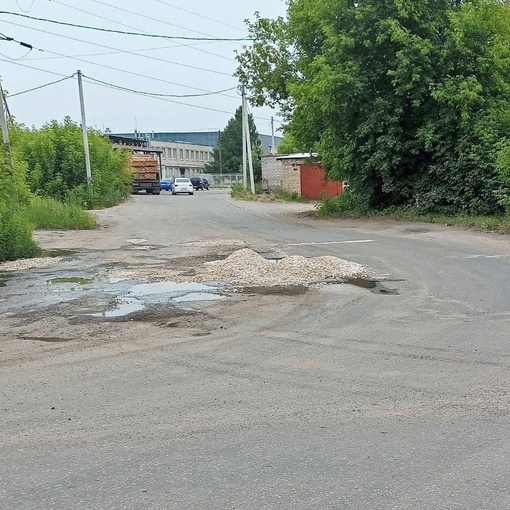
(231, 143)
(407, 100)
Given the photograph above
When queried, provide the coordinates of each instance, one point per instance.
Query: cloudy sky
(155, 65)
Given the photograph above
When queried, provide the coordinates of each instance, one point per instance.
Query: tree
(231, 143)
(407, 100)
(288, 145)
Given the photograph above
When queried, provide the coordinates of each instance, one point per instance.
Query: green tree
(288, 145)
(56, 165)
(407, 100)
(231, 143)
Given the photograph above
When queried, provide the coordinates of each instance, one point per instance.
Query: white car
(182, 185)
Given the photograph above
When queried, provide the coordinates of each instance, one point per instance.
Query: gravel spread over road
(23, 264)
(246, 267)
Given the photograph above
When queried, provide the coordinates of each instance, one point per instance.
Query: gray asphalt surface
(339, 398)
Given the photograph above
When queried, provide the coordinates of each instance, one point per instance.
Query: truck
(146, 173)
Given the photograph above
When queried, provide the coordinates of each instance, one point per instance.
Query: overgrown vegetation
(239, 192)
(344, 207)
(43, 183)
(406, 100)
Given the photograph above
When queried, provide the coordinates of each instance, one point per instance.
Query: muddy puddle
(71, 280)
(374, 286)
(139, 296)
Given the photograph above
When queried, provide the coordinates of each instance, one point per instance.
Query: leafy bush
(342, 205)
(56, 166)
(15, 235)
(240, 192)
(47, 213)
(288, 196)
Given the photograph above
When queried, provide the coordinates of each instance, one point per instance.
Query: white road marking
(333, 242)
(482, 256)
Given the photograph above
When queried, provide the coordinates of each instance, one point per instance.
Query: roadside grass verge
(48, 213)
(341, 207)
(16, 235)
(241, 193)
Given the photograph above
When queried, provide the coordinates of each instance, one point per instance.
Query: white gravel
(23, 264)
(246, 268)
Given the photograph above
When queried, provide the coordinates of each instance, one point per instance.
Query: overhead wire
(121, 50)
(130, 26)
(42, 86)
(23, 10)
(122, 32)
(159, 20)
(199, 15)
(132, 73)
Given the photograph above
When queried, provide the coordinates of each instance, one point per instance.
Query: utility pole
(84, 129)
(3, 118)
(245, 173)
(248, 147)
(273, 151)
(219, 153)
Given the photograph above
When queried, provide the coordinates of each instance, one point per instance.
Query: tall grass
(48, 213)
(15, 235)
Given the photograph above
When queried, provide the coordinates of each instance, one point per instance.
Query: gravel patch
(246, 267)
(23, 264)
(215, 243)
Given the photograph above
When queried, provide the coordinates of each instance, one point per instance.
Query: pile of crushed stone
(247, 268)
(24, 264)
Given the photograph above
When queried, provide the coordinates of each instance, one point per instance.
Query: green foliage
(231, 142)
(15, 235)
(406, 100)
(48, 213)
(341, 205)
(239, 192)
(56, 166)
(288, 196)
(288, 145)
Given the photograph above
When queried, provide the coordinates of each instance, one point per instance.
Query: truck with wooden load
(146, 173)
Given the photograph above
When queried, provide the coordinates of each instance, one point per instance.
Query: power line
(23, 10)
(130, 26)
(156, 94)
(132, 73)
(138, 34)
(103, 53)
(200, 15)
(120, 50)
(42, 86)
(157, 20)
(124, 89)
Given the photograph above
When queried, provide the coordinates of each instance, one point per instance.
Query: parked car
(199, 183)
(167, 184)
(182, 185)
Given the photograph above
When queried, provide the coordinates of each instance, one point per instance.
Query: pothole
(72, 279)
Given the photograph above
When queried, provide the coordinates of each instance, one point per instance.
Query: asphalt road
(337, 398)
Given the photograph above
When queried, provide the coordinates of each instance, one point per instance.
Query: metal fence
(222, 180)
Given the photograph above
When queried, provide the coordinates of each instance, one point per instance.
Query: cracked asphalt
(332, 397)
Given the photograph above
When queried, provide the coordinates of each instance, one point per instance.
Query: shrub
(15, 235)
(288, 196)
(47, 213)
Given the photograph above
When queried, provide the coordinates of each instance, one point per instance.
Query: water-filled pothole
(142, 294)
(58, 253)
(72, 279)
(374, 286)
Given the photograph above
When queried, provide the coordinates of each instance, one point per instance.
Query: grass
(46, 213)
(241, 193)
(341, 207)
(16, 235)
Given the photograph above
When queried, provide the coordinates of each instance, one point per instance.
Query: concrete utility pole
(248, 147)
(245, 173)
(273, 151)
(3, 118)
(84, 129)
(219, 153)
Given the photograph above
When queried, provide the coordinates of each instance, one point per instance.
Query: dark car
(167, 184)
(197, 183)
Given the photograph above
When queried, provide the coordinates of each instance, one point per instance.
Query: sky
(155, 65)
